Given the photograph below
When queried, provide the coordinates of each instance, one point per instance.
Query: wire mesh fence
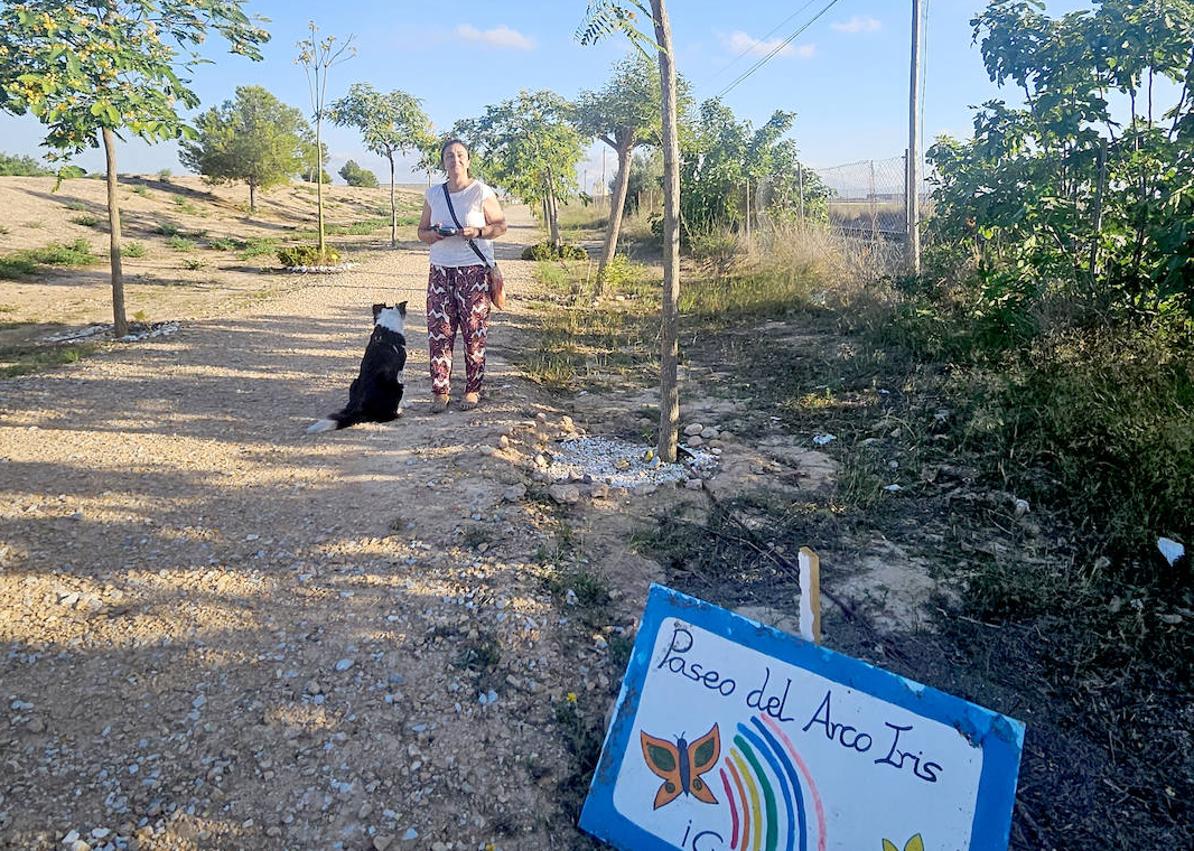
(865, 199)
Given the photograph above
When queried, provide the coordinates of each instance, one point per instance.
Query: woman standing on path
(458, 285)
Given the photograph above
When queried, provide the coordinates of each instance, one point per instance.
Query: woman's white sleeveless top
(468, 204)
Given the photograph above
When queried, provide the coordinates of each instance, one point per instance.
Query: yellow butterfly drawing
(916, 843)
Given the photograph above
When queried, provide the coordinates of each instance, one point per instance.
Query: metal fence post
(874, 206)
(800, 178)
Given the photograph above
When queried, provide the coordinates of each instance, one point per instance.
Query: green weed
(25, 360)
(87, 221)
(134, 250)
(141, 190)
(480, 654)
(181, 243)
(24, 263)
(257, 247)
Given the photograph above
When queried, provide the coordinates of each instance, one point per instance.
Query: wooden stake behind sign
(810, 596)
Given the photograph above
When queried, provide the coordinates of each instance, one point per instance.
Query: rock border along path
(218, 632)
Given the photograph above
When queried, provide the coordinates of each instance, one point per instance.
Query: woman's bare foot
(470, 401)
(439, 404)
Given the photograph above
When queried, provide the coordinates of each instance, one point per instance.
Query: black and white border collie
(376, 394)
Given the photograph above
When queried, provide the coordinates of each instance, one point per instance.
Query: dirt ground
(219, 632)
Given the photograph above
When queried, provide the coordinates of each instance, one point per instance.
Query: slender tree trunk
(319, 185)
(120, 323)
(669, 355)
(393, 208)
(617, 206)
(252, 196)
(553, 213)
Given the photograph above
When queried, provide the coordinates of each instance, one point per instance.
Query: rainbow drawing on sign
(770, 791)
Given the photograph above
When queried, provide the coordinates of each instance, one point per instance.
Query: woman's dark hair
(449, 144)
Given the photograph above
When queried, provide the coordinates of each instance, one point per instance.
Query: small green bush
(21, 166)
(226, 243)
(15, 266)
(141, 190)
(78, 206)
(181, 243)
(547, 251)
(164, 175)
(308, 255)
(259, 246)
(167, 229)
(192, 264)
(87, 221)
(133, 249)
(23, 263)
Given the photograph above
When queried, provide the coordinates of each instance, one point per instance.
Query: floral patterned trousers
(457, 298)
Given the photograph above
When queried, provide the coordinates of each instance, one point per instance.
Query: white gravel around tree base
(622, 464)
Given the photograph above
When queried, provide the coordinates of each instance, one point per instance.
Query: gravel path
(218, 632)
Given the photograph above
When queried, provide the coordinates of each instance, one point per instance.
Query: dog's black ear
(377, 308)
(402, 308)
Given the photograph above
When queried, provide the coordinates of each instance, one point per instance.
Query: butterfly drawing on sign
(681, 765)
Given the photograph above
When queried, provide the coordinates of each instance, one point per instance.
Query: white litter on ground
(622, 464)
(142, 332)
(321, 270)
(77, 335)
(160, 329)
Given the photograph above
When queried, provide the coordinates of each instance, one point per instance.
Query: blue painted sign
(732, 736)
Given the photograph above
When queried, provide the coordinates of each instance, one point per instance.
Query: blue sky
(846, 77)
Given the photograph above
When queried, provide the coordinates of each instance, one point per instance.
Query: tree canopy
(528, 146)
(390, 123)
(83, 66)
(1088, 186)
(89, 70)
(355, 175)
(722, 156)
(254, 138)
(626, 110)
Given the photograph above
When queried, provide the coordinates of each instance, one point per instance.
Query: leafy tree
(255, 138)
(391, 124)
(722, 156)
(1070, 196)
(89, 69)
(624, 114)
(529, 147)
(12, 165)
(318, 56)
(354, 175)
(603, 18)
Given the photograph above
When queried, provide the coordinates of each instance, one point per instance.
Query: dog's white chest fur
(391, 319)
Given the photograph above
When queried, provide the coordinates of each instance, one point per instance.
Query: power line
(744, 75)
(772, 32)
